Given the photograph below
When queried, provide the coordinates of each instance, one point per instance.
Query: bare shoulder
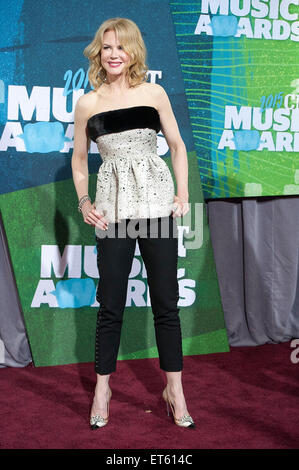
(161, 98)
(156, 90)
(85, 101)
(156, 93)
(84, 105)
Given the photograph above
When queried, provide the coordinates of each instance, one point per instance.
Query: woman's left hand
(180, 207)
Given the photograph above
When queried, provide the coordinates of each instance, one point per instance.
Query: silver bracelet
(82, 201)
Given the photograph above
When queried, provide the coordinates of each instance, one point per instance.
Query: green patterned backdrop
(237, 64)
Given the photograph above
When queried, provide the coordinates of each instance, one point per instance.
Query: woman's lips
(114, 64)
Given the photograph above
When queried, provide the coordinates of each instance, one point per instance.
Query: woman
(123, 114)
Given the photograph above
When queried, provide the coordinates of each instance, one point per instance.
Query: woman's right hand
(92, 217)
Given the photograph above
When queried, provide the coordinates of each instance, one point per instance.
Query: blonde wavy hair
(132, 43)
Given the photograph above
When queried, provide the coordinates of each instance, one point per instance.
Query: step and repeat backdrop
(231, 73)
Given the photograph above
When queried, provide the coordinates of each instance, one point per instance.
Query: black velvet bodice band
(118, 120)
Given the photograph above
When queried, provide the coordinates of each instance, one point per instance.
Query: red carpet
(245, 399)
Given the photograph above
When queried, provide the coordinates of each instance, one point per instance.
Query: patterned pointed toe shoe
(97, 421)
(185, 421)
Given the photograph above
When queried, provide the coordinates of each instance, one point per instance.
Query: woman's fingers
(175, 210)
(98, 220)
(180, 208)
(185, 208)
(92, 217)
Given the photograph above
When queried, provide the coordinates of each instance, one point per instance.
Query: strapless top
(133, 181)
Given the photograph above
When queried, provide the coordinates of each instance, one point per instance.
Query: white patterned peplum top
(133, 181)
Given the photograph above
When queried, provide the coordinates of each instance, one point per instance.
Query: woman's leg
(176, 394)
(114, 260)
(160, 257)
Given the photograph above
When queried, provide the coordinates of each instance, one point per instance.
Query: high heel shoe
(185, 421)
(98, 421)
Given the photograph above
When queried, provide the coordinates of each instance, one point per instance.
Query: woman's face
(113, 58)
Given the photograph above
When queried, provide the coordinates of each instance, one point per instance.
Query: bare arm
(79, 162)
(176, 146)
(80, 152)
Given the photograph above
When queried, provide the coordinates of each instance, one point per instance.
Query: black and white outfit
(135, 185)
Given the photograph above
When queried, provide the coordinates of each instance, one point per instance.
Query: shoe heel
(167, 406)
(98, 421)
(185, 421)
(166, 401)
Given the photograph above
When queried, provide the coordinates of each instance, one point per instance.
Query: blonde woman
(123, 114)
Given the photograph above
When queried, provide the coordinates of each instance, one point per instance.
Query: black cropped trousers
(115, 252)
